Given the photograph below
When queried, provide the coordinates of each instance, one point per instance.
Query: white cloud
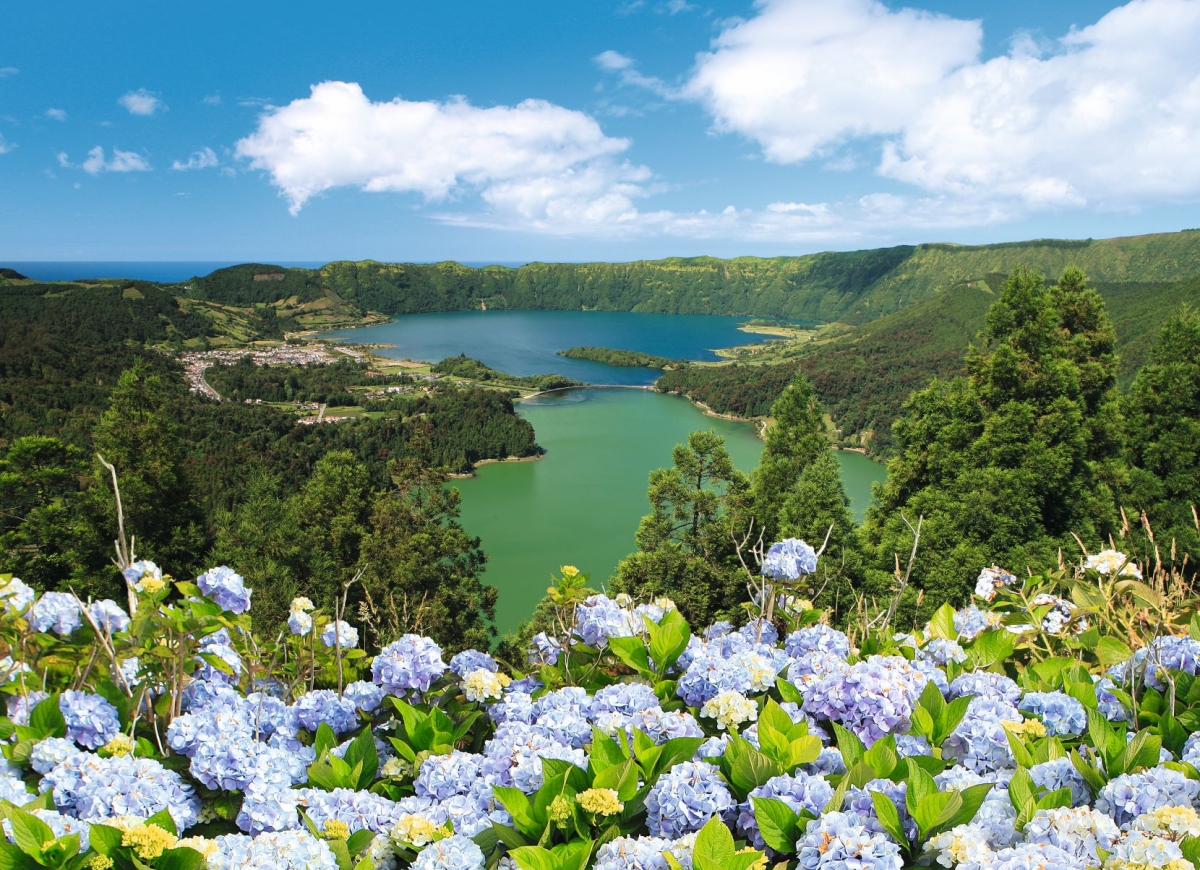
(212, 99)
(142, 102)
(206, 158)
(534, 157)
(5, 146)
(6, 71)
(615, 62)
(674, 7)
(612, 60)
(56, 114)
(122, 161)
(1107, 116)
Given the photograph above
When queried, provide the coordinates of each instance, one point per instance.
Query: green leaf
(935, 810)
(882, 757)
(1111, 651)
(849, 745)
(632, 651)
(30, 832)
(163, 819)
(972, 799)
(362, 751)
(789, 693)
(12, 858)
(778, 823)
(668, 639)
(748, 768)
(517, 803)
(714, 847)
(180, 859)
(325, 739)
(104, 838)
(605, 751)
(359, 841)
(942, 623)
(1055, 800)
(47, 719)
(889, 816)
(621, 778)
(534, 858)
(990, 647)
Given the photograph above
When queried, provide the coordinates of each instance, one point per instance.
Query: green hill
(854, 287)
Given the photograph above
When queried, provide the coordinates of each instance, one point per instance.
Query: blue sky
(398, 130)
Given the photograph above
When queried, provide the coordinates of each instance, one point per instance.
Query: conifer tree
(1006, 463)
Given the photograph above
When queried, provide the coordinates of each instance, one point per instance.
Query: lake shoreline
(467, 475)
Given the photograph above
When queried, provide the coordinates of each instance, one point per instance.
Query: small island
(622, 358)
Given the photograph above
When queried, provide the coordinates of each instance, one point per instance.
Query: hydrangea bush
(1021, 731)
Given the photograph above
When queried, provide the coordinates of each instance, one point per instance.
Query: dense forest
(316, 382)
(462, 366)
(622, 358)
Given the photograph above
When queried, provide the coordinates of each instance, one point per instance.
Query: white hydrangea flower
(730, 709)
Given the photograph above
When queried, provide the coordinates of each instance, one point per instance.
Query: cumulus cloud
(142, 102)
(534, 157)
(1106, 116)
(56, 114)
(121, 161)
(205, 158)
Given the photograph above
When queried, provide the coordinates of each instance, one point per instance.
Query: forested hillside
(854, 286)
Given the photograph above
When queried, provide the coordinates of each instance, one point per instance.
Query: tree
(685, 544)
(138, 435)
(1162, 414)
(1006, 463)
(39, 485)
(420, 569)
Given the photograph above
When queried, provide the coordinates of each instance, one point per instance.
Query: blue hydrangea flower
(359, 810)
(444, 775)
(685, 798)
(859, 802)
(970, 622)
(1062, 715)
(759, 631)
(980, 742)
(1077, 831)
(598, 617)
(16, 595)
(472, 660)
(1109, 705)
(516, 707)
(802, 791)
(55, 611)
(457, 851)
(268, 806)
(633, 853)
(109, 615)
(208, 672)
(873, 698)
(941, 651)
(623, 698)
(412, 663)
(816, 639)
(789, 560)
(543, 650)
(985, 684)
(1129, 795)
(300, 623)
(341, 634)
(226, 588)
(91, 720)
(96, 789)
(284, 850)
(142, 574)
(20, 706)
(842, 840)
(365, 696)
(324, 706)
(1061, 773)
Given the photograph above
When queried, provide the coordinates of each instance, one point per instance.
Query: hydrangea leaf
(778, 823)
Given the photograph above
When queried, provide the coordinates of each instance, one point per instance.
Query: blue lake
(527, 342)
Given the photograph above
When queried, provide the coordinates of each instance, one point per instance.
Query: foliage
(621, 358)
(462, 366)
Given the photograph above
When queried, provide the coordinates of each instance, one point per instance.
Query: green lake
(581, 503)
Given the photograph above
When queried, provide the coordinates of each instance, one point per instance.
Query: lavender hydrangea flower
(801, 791)
(359, 810)
(816, 639)
(1061, 773)
(985, 684)
(284, 850)
(412, 663)
(685, 798)
(226, 588)
(457, 851)
(789, 560)
(598, 617)
(633, 853)
(991, 580)
(341, 634)
(16, 595)
(1078, 831)
(1130, 795)
(1062, 715)
(323, 706)
(873, 698)
(20, 706)
(980, 742)
(970, 622)
(55, 611)
(96, 789)
(365, 696)
(444, 775)
(842, 840)
(472, 660)
(91, 720)
(543, 650)
(108, 615)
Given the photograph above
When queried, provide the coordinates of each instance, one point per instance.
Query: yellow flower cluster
(601, 801)
(336, 829)
(99, 862)
(482, 684)
(121, 744)
(417, 830)
(149, 841)
(1174, 823)
(1027, 728)
(569, 571)
(559, 811)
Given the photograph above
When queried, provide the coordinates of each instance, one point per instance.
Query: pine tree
(1006, 463)
(1162, 412)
